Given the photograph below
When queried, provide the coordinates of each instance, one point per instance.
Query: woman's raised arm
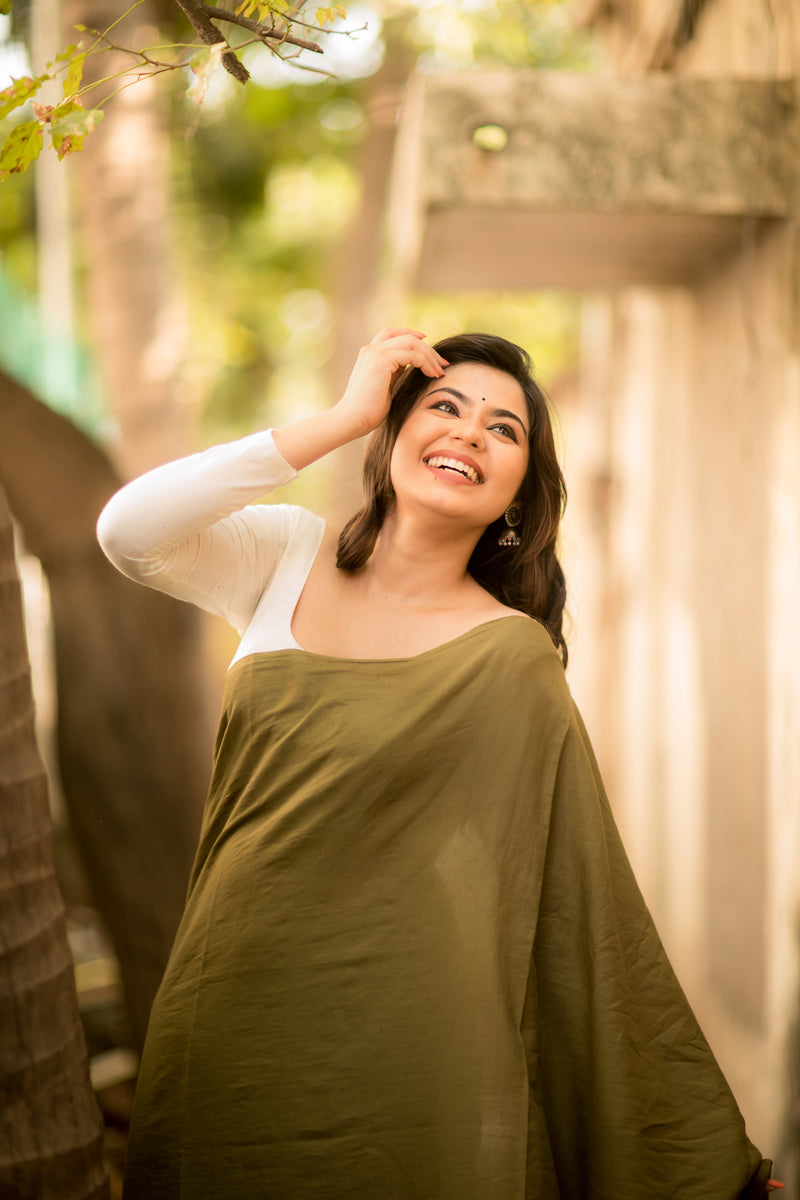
(365, 402)
(184, 527)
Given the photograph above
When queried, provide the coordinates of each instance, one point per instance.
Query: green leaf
(64, 55)
(20, 90)
(22, 146)
(69, 125)
(73, 77)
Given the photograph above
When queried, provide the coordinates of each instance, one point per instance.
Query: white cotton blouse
(191, 529)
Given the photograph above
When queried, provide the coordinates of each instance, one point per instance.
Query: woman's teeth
(453, 464)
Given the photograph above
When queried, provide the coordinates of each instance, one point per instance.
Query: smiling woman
(489, 410)
(414, 962)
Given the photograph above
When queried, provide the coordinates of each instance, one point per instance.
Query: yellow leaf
(73, 77)
(19, 91)
(21, 147)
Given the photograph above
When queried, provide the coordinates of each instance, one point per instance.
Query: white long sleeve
(189, 528)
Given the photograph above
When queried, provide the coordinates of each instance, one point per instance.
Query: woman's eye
(507, 431)
(445, 406)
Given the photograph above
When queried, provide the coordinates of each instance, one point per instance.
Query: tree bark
(134, 730)
(51, 1132)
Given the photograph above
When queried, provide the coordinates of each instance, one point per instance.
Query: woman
(413, 962)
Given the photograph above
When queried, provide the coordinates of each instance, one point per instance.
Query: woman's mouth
(442, 462)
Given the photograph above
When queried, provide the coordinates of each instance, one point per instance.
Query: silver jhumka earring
(513, 516)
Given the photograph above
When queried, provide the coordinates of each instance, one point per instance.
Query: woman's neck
(419, 563)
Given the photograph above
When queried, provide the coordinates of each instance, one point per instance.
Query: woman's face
(463, 449)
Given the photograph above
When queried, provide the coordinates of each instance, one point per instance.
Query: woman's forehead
(480, 383)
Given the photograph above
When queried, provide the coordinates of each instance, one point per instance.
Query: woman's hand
(365, 402)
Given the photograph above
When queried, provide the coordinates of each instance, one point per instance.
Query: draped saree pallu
(414, 963)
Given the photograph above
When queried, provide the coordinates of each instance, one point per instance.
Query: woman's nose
(470, 431)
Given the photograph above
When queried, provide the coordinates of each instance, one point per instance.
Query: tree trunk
(134, 728)
(136, 318)
(51, 1133)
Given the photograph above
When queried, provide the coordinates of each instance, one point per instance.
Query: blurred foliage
(545, 323)
(17, 208)
(503, 33)
(266, 184)
(18, 230)
(264, 190)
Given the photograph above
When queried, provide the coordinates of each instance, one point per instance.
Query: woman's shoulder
(527, 633)
(531, 662)
(531, 640)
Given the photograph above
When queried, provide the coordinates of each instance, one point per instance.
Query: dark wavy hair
(527, 577)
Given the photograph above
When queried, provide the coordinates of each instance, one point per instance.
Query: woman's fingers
(424, 358)
(366, 398)
(401, 341)
(407, 350)
(392, 331)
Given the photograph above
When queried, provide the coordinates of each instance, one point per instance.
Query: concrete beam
(600, 182)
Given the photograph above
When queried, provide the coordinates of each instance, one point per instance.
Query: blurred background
(614, 185)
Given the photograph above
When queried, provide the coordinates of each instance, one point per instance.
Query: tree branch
(209, 33)
(261, 31)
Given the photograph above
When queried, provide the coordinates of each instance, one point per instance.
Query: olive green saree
(414, 963)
